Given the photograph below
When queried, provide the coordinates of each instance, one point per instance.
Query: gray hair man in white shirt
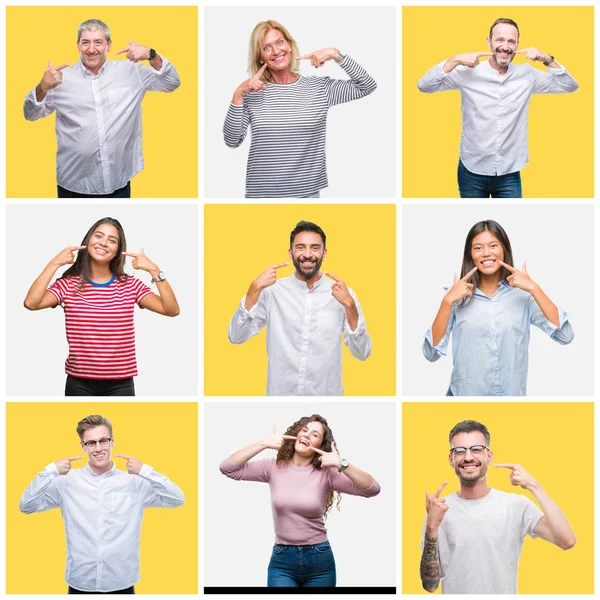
(98, 106)
(306, 315)
(102, 508)
(495, 104)
(472, 539)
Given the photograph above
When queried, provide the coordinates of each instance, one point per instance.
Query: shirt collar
(502, 286)
(110, 473)
(88, 73)
(301, 284)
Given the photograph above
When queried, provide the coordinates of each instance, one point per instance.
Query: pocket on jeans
(278, 548)
(323, 548)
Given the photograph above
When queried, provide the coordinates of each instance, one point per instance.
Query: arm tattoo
(430, 564)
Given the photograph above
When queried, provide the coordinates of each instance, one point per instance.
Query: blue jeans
(315, 195)
(471, 185)
(302, 566)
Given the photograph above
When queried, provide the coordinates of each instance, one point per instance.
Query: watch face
(345, 463)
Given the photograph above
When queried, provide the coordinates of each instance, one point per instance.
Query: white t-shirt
(480, 542)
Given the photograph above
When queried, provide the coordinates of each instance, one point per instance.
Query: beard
(503, 59)
(474, 477)
(307, 268)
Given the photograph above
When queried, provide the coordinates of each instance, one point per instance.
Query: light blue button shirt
(490, 341)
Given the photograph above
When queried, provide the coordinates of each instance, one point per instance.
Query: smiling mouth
(98, 456)
(470, 466)
(101, 250)
(304, 443)
(487, 263)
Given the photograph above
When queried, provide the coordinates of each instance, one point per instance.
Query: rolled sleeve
(563, 334)
(358, 341)
(247, 323)
(431, 352)
(34, 110)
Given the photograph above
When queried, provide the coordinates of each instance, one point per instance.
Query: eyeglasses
(461, 450)
(102, 443)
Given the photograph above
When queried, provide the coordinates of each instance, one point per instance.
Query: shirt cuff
(360, 327)
(432, 352)
(558, 71)
(42, 102)
(250, 312)
(146, 470)
(52, 470)
(166, 64)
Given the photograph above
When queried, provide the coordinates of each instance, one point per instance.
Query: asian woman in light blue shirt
(488, 312)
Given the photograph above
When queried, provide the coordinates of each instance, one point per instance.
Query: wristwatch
(159, 277)
(549, 61)
(344, 464)
(152, 54)
(341, 57)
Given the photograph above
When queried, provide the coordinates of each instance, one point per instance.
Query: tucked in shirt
(303, 336)
(99, 323)
(480, 542)
(495, 108)
(103, 520)
(99, 122)
(288, 124)
(298, 496)
(490, 342)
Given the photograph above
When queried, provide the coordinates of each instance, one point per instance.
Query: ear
(451, 460)
(290, 255)
(489, 42)
(324, 254)
(490, 456)
(109, 46)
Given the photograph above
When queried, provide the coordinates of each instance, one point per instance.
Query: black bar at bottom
(302, 590)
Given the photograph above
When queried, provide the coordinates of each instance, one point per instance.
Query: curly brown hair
(286, 452)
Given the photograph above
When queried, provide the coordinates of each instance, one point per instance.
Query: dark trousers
(472, 185)
(78, 386)
(124, 192)
(129, 590)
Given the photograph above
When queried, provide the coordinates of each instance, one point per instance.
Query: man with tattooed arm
(472, 539)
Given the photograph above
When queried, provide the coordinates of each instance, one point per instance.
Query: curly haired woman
(304, 479)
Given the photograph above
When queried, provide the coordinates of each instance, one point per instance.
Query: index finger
(126, 49)
(521, 51)
(73, 248)
(123, 456)
(485, 54)
(506, 466)
(331, 276)
(279, 265)
(511, 269)
(61, 67)
(469, 274)
(289, 437)
(437, 492)
(132, 254)
(72, 458)
(319, 451)
(261, 70)
(304, 57)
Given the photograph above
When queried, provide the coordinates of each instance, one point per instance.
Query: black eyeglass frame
(453, 450)
(96, 443)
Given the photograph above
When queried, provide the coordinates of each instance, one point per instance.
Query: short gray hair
(93, 25)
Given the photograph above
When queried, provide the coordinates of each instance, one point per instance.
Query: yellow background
(561, 126)
(553, 442)
(163, 435)
(241, 241)
(35, 35)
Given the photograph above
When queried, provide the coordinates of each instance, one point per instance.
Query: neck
(310, 282)
(495, 65)
(473, 492)
(301, 461)
(100, 273)
(101, 470)
(489, 283)
(283, 76)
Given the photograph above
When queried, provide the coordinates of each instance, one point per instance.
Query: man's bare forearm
(430, 563)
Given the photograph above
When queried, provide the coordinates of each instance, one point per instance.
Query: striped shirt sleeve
(236, 125)
(359, 85)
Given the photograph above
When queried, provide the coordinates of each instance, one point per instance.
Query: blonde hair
(91, 422)
(256, 44)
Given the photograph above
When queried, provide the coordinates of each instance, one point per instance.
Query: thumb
(274, 428)
(525, 267)
(142, 252)
(49, 64)
(333, 446)
(455, 278)
(131, 43)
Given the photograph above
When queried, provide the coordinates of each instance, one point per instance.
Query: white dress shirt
(494, 110)
(103, 520)
(303, 336)
(99, 122)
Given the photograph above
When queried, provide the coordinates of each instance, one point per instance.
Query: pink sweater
(298, 496)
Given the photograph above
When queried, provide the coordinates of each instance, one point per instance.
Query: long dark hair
(467, 264)
(81, 266)
(286, 452)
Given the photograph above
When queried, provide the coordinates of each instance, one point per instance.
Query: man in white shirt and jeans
(98, 104)
(495, 103)
(305, 315)
(102, 509)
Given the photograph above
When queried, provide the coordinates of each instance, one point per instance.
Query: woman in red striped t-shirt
(98, 298)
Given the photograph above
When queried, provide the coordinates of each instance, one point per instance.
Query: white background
(238, 524)
(557, 241)
(167, 348)
(361, 146)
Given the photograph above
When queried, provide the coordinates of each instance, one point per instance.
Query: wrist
(431, 531)
(533, 486)
(154, 271)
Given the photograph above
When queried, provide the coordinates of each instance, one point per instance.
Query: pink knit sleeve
(255, 470)
(340, 483)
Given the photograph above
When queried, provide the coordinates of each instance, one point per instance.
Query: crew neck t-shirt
(480, 542)
(99, 323)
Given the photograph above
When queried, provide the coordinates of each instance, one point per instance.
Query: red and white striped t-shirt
(99, 321)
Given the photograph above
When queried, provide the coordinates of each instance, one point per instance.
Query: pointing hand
(135, 52)
(518, 475)
(471, 59)
(269, 276)
(534, 54)
(320, 57)
(460, 288)
(339, 290)
(133, 464)
(64, 465)
(67, 256)
(329, 459)
(519, 279)
(52, 76)
(436, 507)
(253, 84)
(274, 440)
